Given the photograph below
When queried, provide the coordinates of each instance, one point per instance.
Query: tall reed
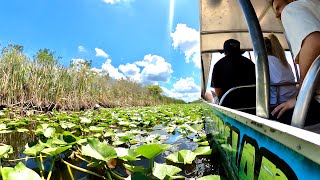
(44, 84)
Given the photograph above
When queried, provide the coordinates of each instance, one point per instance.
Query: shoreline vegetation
(41, 83)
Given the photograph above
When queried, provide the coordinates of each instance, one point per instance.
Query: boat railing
(306, 94)
(262, 78)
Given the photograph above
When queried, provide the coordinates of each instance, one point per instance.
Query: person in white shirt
(280, 72)
(301, 21)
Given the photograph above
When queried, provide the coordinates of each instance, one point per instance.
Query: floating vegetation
(162, 142)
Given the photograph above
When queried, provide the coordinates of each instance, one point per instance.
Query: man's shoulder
(301, 6)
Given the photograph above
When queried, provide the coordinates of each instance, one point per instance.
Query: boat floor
(314, 128)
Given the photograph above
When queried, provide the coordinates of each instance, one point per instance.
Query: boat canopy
(223, 19)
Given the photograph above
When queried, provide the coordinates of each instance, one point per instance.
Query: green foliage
(89, 136)
(46, 57)
(44, 84)
(20, 171)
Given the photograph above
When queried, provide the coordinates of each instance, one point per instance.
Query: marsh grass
(44, 84)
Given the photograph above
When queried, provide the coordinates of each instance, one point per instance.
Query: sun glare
(171, 14)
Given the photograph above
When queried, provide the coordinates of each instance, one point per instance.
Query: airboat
(253, 146)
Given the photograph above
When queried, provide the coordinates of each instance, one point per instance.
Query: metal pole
(306, 93)
(262, 67)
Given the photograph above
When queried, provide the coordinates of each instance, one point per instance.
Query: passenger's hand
(280, 109)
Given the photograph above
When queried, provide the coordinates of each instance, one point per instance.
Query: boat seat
(242, 98)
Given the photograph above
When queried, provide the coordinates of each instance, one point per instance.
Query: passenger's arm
(309, 51)
(218, 92)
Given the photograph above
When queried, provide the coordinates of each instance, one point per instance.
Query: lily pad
(162, 170)
(135, 168)
(21, 172)
(183, 157)
(49, 132)
(149, 151)
(203, 150)
(34, 150)
(5, 150)
(210, 177)
(98, 150)
(127, 154)
(55, 151)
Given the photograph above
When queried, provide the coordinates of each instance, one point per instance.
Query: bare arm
(309, 51)
(218, 92)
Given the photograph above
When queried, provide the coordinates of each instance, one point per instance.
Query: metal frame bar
(236, 31)
(262, 67)
(306, 94)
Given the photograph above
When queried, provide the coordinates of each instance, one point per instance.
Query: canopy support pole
(262, 67)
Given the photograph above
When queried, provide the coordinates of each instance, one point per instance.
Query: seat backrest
(240, 97)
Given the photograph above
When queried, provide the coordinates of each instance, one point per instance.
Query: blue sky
(149, 41)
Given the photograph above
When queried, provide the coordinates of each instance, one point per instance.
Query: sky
(149, 41)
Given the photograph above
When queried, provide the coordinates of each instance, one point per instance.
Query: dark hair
(268, 44)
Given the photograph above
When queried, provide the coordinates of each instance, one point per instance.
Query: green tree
(154, 90)
(46, 57)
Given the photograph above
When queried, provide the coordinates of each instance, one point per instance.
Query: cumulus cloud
(187, 40)
(184, 89)
(101, 53)
(81, 49)
(113, 72)
(78, 63)
(129, 70)
(155, 69)
(116, 1)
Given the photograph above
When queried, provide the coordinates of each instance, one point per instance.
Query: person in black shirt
(232, 70)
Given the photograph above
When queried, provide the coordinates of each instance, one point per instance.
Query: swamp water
(119, 129)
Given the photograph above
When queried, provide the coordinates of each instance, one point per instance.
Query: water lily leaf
(204, 143)
(96, 129)
(55, 151)
(183, 157)
(85, 120)
(135, 168)
(162, 170)
(127, 154)
(59, 142)
(205, 150)
(5, 150)
(210, 177)
(186, 126)
(137, 176)
(66, 125)
(3, 126)
(44, 126)
(108, 134)
(22, 130)
(118, 142)
(5, 131)
(49, 132)
(124, 123)
(70, 138)
(20, 171)
(98, 150)
(149, 151)
(34, 150)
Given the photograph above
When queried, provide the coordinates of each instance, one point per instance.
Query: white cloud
(129, 70)
(111, 70)
(184, 89)
(101, 53)
(81, 49)
(151, 70)
(188, 41)
(155, 68)
(186, 86)
(117, 1)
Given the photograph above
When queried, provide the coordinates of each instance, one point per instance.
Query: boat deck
(314, 128)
